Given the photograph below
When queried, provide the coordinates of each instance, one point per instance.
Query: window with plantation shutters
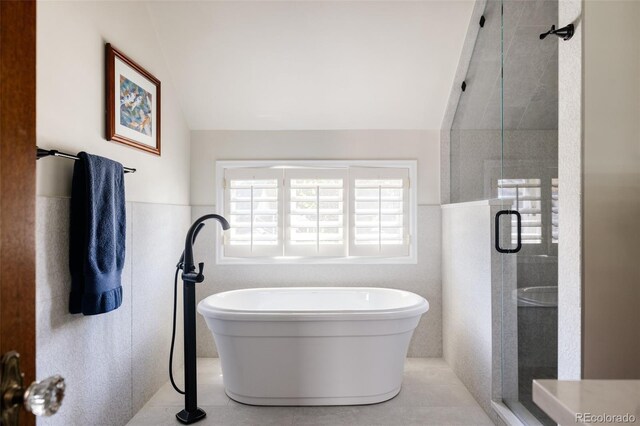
(254, 211)
(554, 210)
(526, 197)
(317, 211)
(379, 211)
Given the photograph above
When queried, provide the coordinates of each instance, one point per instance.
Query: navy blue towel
(97, 235)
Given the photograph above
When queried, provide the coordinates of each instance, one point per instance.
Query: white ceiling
(312, 65)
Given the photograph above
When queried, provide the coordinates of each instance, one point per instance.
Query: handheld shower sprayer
(190, 277)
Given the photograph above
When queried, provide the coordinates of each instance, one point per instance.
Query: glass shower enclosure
(504, 145)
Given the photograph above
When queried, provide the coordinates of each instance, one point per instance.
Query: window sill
(403, 260)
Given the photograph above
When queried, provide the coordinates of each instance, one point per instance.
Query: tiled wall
(478, 330)
(422, 278)
(570, 128)
(112, 363)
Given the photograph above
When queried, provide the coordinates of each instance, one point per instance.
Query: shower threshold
(522, 414)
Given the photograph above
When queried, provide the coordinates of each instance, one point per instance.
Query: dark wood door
(17, 183)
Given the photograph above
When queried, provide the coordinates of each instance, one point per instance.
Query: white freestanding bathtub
(312, 346)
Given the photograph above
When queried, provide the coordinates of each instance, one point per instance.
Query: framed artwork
(133, 103)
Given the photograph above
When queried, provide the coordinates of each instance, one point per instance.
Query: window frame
(412, 190)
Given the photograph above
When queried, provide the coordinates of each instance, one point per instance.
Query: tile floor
(431, 395)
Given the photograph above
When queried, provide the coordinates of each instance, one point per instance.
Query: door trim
(17, 184)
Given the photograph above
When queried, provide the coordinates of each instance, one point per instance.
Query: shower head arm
(188, 267)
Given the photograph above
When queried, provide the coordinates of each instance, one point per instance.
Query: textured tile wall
(454, 98)
(113, 363)
(473, 276)
(466, 278)
(528, 91)
(476, 155)
(157, 241)
(422, 278)
(570, 153)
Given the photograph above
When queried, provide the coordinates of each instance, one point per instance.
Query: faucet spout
(187, 256)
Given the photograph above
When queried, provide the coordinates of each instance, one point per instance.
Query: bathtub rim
(208, 311)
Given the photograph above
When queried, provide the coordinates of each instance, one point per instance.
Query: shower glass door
(527, 183)
(504, 146)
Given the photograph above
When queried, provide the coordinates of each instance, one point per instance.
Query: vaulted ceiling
(312, 64)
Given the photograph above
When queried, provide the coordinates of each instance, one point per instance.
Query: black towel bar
(41, 153)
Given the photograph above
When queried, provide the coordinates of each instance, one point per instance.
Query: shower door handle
(519, 228)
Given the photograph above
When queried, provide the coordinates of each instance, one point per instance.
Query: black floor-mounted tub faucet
(190, 277)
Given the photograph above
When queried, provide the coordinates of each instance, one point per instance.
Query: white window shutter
(253, 205)
(555, 210)
(526, 195)
(315, 212)
(379, 206)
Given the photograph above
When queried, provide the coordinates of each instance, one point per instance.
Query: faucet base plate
(188, 417)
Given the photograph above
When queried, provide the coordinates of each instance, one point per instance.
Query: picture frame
(133, 107)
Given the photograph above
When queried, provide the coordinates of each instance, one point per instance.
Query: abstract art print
(135, 106)
(133, 103)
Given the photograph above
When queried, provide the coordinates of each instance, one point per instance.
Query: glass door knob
(44, 398)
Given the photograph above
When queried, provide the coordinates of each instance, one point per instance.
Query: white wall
(115, 362)
(611, 340)
(71, 98)
(209, 146)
